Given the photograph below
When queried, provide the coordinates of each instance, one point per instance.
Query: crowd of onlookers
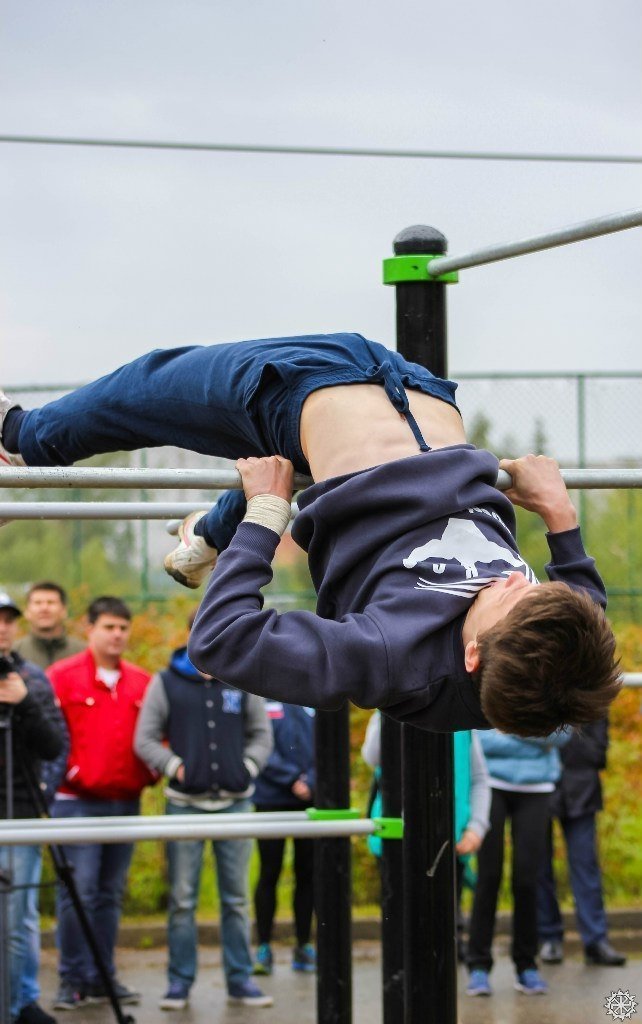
(89, 730)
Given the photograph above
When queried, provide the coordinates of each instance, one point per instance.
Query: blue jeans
(100, 873)
(586, 883)
(30, 987)
(185, 860)
(234, 400)
(25, 863)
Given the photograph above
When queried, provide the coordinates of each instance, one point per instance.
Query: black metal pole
(65, 874)
(332, 873)
(430, 964)
(391, 876)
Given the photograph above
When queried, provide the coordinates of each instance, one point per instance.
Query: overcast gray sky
(107, 253)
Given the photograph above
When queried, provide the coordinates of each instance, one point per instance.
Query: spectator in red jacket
(100, 696)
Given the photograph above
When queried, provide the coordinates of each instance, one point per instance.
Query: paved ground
(577, 993)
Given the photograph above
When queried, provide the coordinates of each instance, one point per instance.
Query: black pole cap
(419, 239)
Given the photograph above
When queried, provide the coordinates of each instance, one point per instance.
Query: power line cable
(408, 154)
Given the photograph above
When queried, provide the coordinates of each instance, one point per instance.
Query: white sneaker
(247, 993)
(176, 997)
(193, 560)
(7, 458)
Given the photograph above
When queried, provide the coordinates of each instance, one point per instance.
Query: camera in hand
(6, 666)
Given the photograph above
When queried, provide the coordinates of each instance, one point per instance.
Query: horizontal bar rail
(152, 479)
(589, 479)
(34, 831)
(156, 819)
(224, 479)
(175, 512)
(291, 150)
(564, 236)
(98, 509)
(632, 679)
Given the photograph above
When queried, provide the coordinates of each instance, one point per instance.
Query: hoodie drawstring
(396, 392)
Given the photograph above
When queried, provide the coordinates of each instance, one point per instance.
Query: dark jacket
(292, 757)
(44, 651)
(579, 790)
(397, 554)
(220, 735)
(38, 734)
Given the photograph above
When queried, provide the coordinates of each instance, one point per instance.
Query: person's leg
(550, 925)
(232, 864)
(460, 869)
(75, 962)
(530, 815)
(30, 987)
(114, 865)
(184, 861)
(303, 889)
(490, 866)
(271, 860)
(189, 397)
(19, 861)
(586, 877)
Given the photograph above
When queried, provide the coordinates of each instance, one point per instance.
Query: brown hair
(49, 585)
(550, 662)
(108, 605)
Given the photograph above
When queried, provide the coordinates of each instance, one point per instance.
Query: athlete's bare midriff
(350, 427)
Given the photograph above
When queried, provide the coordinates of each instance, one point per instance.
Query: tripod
(64, 874)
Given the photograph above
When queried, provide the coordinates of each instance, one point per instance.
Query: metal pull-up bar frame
(419, 972)
(538, 243)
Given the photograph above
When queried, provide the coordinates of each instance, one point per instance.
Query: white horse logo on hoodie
(463, 542)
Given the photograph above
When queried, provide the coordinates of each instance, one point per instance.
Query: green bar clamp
(332, 813)
(389, 828)
(414, 268)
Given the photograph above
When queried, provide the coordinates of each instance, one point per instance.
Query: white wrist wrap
(270, 511)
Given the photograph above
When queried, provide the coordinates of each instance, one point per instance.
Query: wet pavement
(577, 995)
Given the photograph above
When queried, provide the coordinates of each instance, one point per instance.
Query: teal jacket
(461, 747)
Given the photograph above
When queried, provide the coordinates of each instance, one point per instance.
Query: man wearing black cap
(37, 733)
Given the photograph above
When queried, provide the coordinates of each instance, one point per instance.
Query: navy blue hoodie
(292, 756)
(397, 554)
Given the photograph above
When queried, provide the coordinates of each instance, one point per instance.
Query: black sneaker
(98, 994)
(602, 954)
(69, 997)
(34, 1014)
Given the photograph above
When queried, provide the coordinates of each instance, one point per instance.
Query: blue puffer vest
(522, 762)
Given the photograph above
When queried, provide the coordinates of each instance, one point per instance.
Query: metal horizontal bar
(211, 826)
(180, 479)
(233, 147)
(590, 479)
(152, 479)
(98, 509)
(632, 679)
(153, 819)
(175, 511)
(564, 236)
